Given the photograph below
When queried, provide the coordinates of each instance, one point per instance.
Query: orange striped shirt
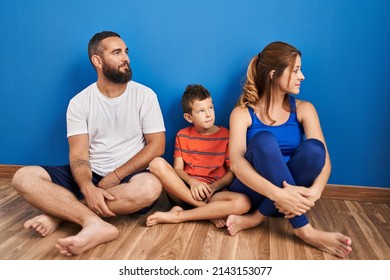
(206, 157)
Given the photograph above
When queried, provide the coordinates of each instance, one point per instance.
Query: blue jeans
(303, 167)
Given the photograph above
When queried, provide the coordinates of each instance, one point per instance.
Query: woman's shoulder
(241, 114)
(305, 109)
(304, 105)
(240, 110)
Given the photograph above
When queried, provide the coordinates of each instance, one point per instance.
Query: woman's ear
(188, 117)
(271, 74)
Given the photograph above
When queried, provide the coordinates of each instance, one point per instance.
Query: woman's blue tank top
(289, 135)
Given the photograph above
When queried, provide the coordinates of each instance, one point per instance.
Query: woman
(275, 167)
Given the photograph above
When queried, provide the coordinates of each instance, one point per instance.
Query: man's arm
(155, 147)
(79, 160)
(82, 173)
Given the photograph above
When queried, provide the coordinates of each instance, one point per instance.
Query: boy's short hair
(193, 93)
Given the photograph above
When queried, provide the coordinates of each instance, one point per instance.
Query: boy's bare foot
(219, 223)
(170, 217)
(333, 243)
(90, 236)
(43, 224)
(237, 223)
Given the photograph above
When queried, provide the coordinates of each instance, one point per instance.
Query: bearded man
(114, 128)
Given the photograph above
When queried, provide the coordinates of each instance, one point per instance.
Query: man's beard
(115, 75)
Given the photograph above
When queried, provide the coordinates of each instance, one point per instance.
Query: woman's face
(290, 82)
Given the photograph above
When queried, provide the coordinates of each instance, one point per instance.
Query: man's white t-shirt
(116, 126)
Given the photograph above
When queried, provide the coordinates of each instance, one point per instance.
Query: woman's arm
(307, 115)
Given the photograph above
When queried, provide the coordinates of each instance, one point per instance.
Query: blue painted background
(346, 61)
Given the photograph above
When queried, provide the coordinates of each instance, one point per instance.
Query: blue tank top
(289, 135)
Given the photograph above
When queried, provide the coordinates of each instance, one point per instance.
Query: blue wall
(346, 60)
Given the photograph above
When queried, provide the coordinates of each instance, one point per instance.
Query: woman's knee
(263, 144)
(315, 146)
(314, 152)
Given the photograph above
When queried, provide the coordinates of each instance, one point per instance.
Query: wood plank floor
(368, 224)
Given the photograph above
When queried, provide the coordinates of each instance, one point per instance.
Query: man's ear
(97, 61)
(188, 117)
(271, 74)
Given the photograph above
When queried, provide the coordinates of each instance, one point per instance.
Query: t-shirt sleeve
(76, 122)
(227, 158)
(151, 116)
(177, 150)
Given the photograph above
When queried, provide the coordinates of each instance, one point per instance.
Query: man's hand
(95, 200)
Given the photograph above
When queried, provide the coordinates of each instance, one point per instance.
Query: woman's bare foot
(43, 224)
(90, 236)
(237, 223)
(333, 243)
(170, 217)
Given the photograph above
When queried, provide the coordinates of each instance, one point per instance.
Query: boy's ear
(188, 117)
(271, 74)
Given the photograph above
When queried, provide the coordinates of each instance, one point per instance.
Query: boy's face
(202, 115)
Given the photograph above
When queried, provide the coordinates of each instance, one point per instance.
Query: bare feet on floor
(43, 224)
(90, 236)
(333, 243)
(237, 223)
(170, 217)
(219, 223)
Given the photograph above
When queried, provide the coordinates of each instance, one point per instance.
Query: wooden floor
(368, 224)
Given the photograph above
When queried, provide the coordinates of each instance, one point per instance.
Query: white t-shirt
(116, 126)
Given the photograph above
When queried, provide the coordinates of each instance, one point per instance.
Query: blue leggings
(302, 169)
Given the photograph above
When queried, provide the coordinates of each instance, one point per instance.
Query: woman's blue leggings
(302, 169)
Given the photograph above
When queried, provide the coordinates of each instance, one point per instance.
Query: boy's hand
(199, 190)
(213, 189)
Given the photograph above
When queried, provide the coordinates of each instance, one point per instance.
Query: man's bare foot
(170, 217)
(43, 224)
(237, 223)
(90, 236)
(219, 223)
(333, 243)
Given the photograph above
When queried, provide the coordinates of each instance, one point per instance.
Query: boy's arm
(178, 165)
(225, 181)
(199, 190)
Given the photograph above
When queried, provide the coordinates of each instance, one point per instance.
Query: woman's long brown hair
(276, 56)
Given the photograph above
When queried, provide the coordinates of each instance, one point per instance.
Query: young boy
(201, 172)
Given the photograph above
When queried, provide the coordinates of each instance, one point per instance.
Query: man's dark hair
(193, 93)
(94, 46)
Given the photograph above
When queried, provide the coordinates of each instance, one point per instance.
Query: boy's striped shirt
(206, 157)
